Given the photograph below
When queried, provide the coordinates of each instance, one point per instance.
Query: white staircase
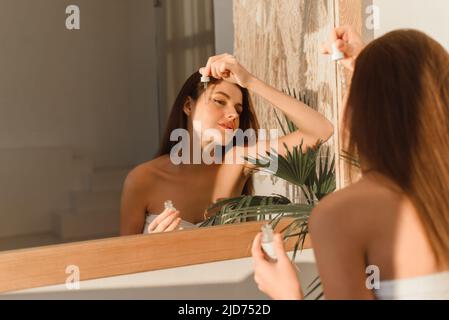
(94, 211)
(48, 196)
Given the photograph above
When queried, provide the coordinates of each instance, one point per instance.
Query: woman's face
(219, 108)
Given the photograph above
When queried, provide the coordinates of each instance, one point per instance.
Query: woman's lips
(226, 127)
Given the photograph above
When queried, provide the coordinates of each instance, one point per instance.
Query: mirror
(88, 88)
(86, 91)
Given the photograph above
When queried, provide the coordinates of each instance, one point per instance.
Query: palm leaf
(323, 181)
(295, 167)
(313, 287)
(242, 208)
(350, 158)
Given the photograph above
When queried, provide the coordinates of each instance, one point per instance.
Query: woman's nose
(232, 116)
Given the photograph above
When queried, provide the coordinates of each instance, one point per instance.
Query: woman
(396, 217)
(225, 105)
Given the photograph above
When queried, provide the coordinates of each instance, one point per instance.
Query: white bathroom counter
(227, 280)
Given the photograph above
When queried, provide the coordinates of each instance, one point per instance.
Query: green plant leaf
(295, 167)
(350, 158)
(245, 207)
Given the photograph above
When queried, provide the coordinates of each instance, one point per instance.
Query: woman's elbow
(328, 131)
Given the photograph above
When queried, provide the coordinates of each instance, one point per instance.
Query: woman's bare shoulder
(143, 174)
(356, 208)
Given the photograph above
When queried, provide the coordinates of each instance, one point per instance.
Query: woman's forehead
(228, 89)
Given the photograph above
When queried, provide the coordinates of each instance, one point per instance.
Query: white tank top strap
(431, 287)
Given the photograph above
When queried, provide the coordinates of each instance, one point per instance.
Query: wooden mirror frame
(44, 266)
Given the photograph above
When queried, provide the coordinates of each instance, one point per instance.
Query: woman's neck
(382, 179)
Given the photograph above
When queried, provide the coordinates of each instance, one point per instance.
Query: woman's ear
(188, 106)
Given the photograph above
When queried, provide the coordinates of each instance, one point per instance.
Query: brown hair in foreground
(397, 122)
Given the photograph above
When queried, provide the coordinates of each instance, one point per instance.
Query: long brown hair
(397, 119)
(193, 88)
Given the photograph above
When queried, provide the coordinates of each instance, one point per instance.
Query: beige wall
(71, 101)
(224, 26)
(185, 41)
(91, 89)
(428, 16)
(279, 42)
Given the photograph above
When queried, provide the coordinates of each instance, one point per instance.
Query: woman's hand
(278, 280)
(226, 67)
(348, 41)
(167, 221)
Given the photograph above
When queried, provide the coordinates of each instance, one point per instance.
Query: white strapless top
(183, 224)
(430, 287)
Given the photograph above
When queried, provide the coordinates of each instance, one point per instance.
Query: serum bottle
(169, 205)
(337, 54)
(267, 242)
(205, 80)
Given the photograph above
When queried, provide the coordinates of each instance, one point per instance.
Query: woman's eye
(220, 102)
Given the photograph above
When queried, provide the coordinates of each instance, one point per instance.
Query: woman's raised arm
(312, 126)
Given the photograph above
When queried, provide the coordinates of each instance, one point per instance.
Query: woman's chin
(221, 142)
(221, 138)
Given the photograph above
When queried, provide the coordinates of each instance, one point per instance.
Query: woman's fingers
(261, 266)
(259, 255)
(166, 213)
(225, 69)
(215, 66)
(175, 224)
(341, 45)
(166, 222)
(214, 71)
(256, 249)
(208, 70)
(279, 246)
(326, 47)
(217, 70)
(221, 69)
(342, 32)
(159, 219)
(340, 36)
